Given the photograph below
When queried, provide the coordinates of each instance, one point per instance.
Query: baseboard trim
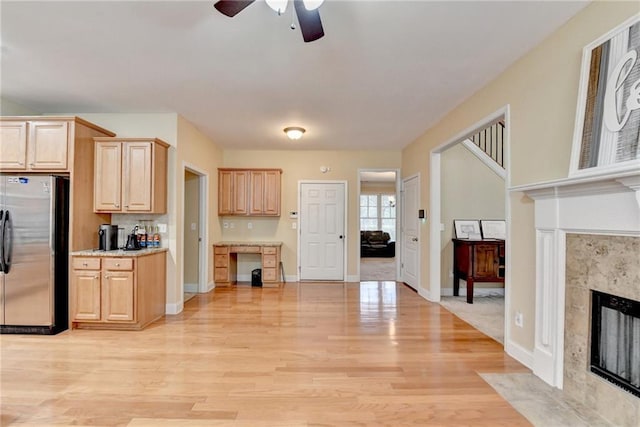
(191, 288)
(519, 353)
(174, 308)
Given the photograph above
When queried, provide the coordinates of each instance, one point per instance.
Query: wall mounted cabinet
(249, 192)
(64, 146)
(130, 175)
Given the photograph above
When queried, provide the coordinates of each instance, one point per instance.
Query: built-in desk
(225, 261)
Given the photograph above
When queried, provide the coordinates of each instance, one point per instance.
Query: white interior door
(410, 267)
(322, 233)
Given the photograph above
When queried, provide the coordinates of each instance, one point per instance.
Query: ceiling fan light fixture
(312, 4)
(278, 5)
(294, 132)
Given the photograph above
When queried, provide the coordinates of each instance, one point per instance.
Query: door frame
(398, 213)
(346, 221)
(419, 246)
(435, 255)
(203, 225)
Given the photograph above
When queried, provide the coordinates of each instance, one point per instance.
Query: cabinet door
(48, 145)
(271, 194)
(256, 206)
(225, 190)
(13, 145)
(486, 261)
(240, 192)
(85, 291)
(138, 186)
(118, 296)
(108, 177)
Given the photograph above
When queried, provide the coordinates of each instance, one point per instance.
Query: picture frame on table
(493, 229)
(467, 229)
(607, 123)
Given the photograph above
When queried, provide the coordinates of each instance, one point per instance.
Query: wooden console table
(477, 261)
(225, 261)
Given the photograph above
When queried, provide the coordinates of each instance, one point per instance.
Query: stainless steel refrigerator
(34, 277)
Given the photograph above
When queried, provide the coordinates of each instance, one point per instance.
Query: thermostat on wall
(293, 214)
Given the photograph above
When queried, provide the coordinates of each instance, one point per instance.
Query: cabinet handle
(21, 163)
(126, 206)
(117, 264)
(96, 277)
(117, 205)
(106, 276)
(32, 164)
(85, 264)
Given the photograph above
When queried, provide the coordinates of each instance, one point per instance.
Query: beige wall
(470, 190)
(377, 187)
(199, 153)
(191, 217)
(10, 108)
(305, 165)
(541, 90)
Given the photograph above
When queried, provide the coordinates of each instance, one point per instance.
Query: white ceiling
(384, 72)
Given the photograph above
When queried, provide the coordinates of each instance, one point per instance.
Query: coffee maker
(108, 237)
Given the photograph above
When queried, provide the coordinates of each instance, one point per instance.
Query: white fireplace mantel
(606, 204)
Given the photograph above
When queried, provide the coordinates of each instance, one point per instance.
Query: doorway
(378, 224)
(194, 232)
(322, 238)
(465, 185)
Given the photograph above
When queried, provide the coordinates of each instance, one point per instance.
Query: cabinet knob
(96, 277)
(106, 276)
(117, 264)
(32, 164)
(126, 206)
(117, 205)
(21, 163)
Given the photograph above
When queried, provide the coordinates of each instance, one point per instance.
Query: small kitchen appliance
(132, 240)
(108, 237)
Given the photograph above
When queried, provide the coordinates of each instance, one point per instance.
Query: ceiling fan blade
(232, 7)
(309, 20)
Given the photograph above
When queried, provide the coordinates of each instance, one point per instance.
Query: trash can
(256, 277)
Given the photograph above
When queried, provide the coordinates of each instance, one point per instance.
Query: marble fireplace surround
(597, 210)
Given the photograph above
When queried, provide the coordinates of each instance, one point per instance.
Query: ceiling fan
(306, 10)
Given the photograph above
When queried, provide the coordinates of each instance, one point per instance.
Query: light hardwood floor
(311, 354)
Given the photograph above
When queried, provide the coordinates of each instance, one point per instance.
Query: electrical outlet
(193, 226)
(294, 225)
(250, 225)
(450, 273)
(519, 319)
(162, 228)
(232, 225)
(225, 224)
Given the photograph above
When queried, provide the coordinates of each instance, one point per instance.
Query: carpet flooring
(377, 269)
(486, 314)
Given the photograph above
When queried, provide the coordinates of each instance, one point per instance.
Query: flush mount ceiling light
(294, 132)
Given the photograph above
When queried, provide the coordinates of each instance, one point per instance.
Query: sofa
(376, 243)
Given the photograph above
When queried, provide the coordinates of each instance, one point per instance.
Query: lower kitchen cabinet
(117, 292)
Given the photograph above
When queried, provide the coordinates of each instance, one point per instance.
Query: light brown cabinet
(32, 145)
(117, 292)
(249, 192)
(225, 263)
(130, 175)
(60, 145)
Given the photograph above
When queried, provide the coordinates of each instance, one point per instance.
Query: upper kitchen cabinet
(39, 145)
(130, 175)
(249, 192)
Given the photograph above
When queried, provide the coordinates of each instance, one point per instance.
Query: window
(378, 212)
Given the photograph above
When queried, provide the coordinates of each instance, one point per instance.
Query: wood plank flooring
(310, 354)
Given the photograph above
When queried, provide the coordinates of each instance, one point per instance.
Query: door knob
(415, 239)
(341, 236)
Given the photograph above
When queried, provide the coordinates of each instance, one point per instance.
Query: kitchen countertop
(118, 252)
(232, 243)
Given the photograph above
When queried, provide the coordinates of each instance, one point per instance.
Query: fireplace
(587, 239)
(615, 340)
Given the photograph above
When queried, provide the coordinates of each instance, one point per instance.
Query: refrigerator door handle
(1, 241)
(7, 242)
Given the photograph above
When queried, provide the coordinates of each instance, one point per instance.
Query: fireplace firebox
(615, 340)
